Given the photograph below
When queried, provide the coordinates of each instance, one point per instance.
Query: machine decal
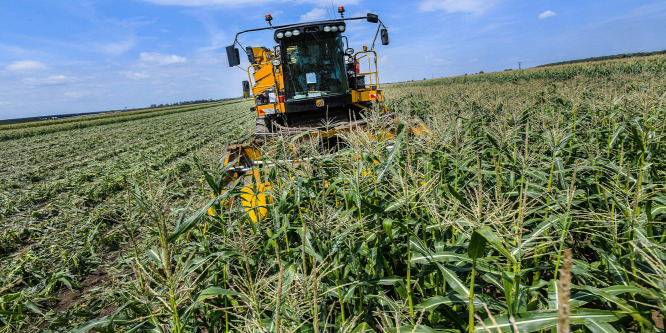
(319, 103)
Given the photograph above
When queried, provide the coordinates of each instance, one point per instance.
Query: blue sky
(75, 56)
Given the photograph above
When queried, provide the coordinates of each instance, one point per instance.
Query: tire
(261, 127)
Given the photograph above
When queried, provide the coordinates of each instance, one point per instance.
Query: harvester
(310, 84)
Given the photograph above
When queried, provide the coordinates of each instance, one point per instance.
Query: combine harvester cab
(310, 85)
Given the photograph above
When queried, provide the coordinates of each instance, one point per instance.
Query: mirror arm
(381, 25)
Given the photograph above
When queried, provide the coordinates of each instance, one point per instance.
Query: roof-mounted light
(296, 32)
(334, 29)
(288, 34)
(327, 28)
(341, 28)
(279, 35)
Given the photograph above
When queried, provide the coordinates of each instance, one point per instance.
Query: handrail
(370, 71)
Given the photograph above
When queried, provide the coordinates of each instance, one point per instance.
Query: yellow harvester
(311, 82)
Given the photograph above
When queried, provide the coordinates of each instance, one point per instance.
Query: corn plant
(466, 229)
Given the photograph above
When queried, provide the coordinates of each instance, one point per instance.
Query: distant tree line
(610, 57)
(198, 101)
(75, 115)
(51, 117)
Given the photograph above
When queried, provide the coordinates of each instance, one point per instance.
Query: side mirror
(250, 54)
(373, 18)
(233, 55)
(246, 89)
(385, 36)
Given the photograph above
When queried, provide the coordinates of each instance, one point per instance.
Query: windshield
(313, 67)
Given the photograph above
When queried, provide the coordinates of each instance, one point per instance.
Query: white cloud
(237, 3)
(25, 65)
(454, 6)
(136, 75)
(117, 48)
(193, 3)
(432, 59)
(76, 94)
(159, 59)
(314, 15)
(546, 14)
(53, 80)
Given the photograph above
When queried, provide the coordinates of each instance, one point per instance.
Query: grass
(538, 200)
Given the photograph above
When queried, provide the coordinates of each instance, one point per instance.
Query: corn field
(63, 203)
(535, 204)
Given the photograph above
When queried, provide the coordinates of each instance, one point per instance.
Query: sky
(73, 56)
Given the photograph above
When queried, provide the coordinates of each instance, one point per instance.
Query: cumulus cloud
(53, 80)
(546, 14)
(314, 15)
(237, 3)
(454, 6)
(160, 59)
(193, 3)
(136, 75)
(25, 65)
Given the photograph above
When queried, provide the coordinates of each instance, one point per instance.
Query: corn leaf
(212, 292)
(537, 320)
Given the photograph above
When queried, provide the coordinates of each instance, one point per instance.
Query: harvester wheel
(261, 127)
